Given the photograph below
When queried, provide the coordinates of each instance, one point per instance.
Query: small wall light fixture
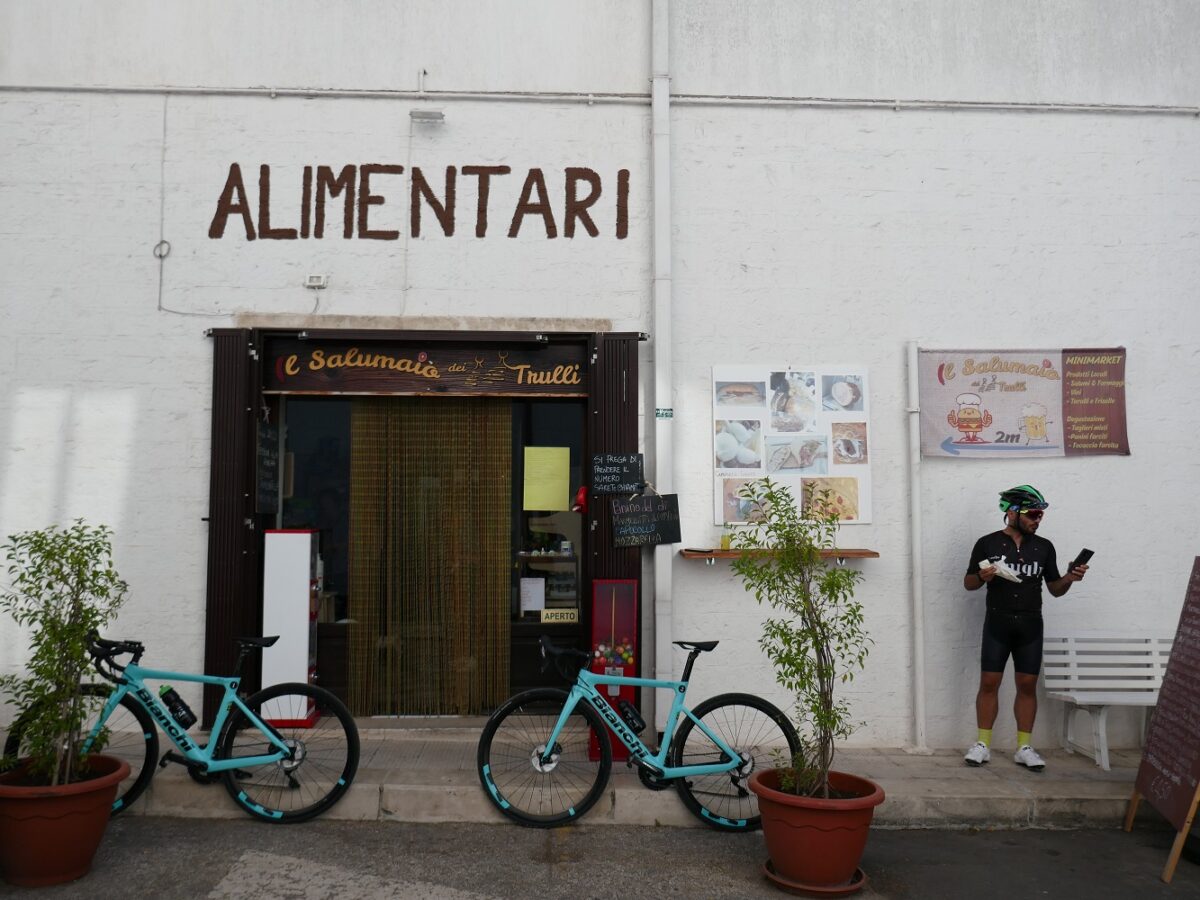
(316, 282)
(427, 115)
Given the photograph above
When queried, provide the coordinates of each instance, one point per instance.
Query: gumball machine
(615, 644)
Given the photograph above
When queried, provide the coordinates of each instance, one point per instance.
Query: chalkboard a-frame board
(1169, 774)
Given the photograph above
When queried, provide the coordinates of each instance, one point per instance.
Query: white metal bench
(1097, 670)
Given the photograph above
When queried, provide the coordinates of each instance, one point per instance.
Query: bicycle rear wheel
(758, 731)
(528, 791)
(131, 737)
(324, 742)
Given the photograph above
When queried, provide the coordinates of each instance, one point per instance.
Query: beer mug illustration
(1033, 423)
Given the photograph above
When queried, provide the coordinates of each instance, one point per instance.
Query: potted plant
(55, 799)
(815, 819)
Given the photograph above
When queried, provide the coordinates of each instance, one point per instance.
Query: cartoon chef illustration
(969, 419)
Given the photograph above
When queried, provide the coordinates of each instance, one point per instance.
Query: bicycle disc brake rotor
(299, 753)
(545, 767)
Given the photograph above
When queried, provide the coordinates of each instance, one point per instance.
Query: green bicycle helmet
(1023, 496)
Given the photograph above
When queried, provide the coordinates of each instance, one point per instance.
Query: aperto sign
(340, 367)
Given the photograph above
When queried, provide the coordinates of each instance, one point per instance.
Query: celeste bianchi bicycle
(285, 754)
(544, 756)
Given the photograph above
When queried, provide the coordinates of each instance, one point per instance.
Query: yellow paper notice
(547, 478)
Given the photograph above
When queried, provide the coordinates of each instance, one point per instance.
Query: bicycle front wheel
(324, 743)
(757, 731)
(129, 735)
(510, 760)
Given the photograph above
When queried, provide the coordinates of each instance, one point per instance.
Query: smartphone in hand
(1081, 560)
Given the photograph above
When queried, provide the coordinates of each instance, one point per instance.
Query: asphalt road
(186, 858)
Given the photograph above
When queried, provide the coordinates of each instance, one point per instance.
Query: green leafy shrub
(815, 639)
(62, 585)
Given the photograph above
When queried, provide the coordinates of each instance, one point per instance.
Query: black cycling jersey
(1035, 562)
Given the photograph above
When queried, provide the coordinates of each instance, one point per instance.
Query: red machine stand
(615, 645)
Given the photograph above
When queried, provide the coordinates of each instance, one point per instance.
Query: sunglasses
(1034, 515)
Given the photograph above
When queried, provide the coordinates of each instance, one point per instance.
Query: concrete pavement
(243, 859)
(427, 774)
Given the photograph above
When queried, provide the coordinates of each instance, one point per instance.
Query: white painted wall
(804, 233)
(583, 46)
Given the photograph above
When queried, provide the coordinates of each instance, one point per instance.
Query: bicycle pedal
(172, 757)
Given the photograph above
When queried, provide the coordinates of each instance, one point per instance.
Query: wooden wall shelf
(841, 554)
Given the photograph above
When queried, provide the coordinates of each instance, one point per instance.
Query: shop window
(548, 534)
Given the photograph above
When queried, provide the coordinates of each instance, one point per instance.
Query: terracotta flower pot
(814, 844)
(49, 835)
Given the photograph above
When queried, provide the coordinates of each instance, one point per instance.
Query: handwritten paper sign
(547, 478)
(267, 498)
(533, 594)
(651, 519)
(617, 473)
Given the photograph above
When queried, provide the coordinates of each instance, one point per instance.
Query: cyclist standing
(1013, 623)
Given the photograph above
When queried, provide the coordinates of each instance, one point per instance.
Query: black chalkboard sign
(1170, 769)
(1169, 774)
(651, 519)
(267, 496)
(617, 473)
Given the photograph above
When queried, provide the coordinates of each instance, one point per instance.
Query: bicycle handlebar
(102, 652)
(567, 660)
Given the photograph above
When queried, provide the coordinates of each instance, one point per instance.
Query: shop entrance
(434, 543)
(423, 460)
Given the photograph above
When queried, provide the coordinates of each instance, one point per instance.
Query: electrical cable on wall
(163, 248)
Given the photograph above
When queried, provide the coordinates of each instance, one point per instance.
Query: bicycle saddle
(697, 645)
(258, 641)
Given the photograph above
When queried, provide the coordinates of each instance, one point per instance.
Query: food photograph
(737, 444)
(850, 443)
(842, 392)
(839, 493)
(797, 455)
(741, 393)
(793, 401)
(735, 509)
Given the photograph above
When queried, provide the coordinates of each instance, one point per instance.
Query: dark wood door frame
(233, 604)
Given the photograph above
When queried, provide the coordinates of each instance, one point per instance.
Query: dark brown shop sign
(309, 367)
(574, 199)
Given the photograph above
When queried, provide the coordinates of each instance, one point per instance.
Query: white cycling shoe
(1028, 757)
(977, 754)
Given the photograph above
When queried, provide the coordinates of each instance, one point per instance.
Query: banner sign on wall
(804, 428)
(1021, 403)
(412, 368)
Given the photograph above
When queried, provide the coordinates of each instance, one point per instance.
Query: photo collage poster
(800, 427)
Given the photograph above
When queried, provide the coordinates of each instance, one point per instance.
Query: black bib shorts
(1018, 634)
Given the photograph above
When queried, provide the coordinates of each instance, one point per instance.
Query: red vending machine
(615, 644)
